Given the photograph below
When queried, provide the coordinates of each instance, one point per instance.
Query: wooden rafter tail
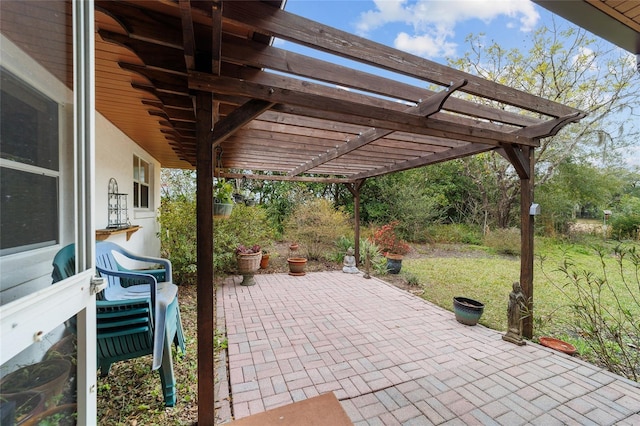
(436, 102)
(550, 127)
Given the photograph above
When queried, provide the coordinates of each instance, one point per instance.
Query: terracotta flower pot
(558, 345)
(48, 377)
(297, 265)
(62, 415)
(18, 408)
(264, 262)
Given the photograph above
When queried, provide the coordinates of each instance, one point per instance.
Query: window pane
(136, 172)
(136, 196)
(144, 196)
(144, 172)
(29, 210)
(28, 124)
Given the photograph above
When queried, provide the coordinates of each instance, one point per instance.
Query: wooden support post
(355, 191)
(526, 237)
(204, 219)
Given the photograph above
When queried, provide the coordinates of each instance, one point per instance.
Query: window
(29, 167)
(141, 178)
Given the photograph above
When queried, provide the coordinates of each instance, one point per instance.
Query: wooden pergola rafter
(183, 77)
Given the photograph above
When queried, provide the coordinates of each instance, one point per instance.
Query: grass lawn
(486, 277)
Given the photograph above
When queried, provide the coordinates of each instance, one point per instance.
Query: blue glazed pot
(394, 263)
(467, 311)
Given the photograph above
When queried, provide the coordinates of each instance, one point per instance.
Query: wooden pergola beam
(453, 154)
(257, 55)
(423, 109)
(238, 118)
(281, 178)
(337, 105)
(266, 19)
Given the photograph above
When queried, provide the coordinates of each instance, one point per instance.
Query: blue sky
(433, 29)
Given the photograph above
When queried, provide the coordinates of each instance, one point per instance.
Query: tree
(567, 66)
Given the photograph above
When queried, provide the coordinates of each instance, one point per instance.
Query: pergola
(199, 84)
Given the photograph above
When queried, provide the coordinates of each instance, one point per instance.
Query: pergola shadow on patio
(392, 358)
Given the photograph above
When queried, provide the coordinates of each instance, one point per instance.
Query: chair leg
(179, 337)
(105, 367)
(167, 378)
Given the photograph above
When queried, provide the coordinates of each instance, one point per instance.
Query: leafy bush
(317, 225)
(626, 226)
(604, 315)
(388, 241)
(454, 233)
(503, 241)
(177, 234)
(377, 260)
(247, 226)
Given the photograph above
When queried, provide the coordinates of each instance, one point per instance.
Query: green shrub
(625, 226)
(177, 234)
(317, 225)
(503, 241)
(454, 233)
(377, 260)
(247, 226)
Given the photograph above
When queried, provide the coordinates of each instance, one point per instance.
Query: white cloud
(424, 45)
(435, 20)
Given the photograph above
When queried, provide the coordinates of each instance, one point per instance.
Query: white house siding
(114, 159)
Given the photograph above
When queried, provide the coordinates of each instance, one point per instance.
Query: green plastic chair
(136, 314)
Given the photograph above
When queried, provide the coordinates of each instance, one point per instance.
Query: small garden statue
(514, 315)
(349, 263)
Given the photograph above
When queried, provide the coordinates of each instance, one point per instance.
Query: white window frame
(137, 197)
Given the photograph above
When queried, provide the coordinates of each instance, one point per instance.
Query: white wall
(114, 158)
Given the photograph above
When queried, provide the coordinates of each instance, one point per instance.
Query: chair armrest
(138, 277)
(165, 263)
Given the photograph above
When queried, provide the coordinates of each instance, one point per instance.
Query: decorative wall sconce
(117, 207)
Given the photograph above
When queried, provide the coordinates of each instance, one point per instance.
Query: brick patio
(392, 358)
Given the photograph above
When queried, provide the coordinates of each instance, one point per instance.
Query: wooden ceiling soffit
(275, 22)
(249, 53)
(153, 55)
(162, 81)
(344, 110)
(168, 99)
(452, 154)
(238, 118)
(426, 108)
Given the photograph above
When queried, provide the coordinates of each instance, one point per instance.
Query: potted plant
(467, 311)
(393, 247)
(17, 408)
(62, 415)
(264, 262)
(48, 377)
(248, 262)
(297, 266)
(222, 199)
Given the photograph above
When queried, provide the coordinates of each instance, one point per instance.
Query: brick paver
(393, 358)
